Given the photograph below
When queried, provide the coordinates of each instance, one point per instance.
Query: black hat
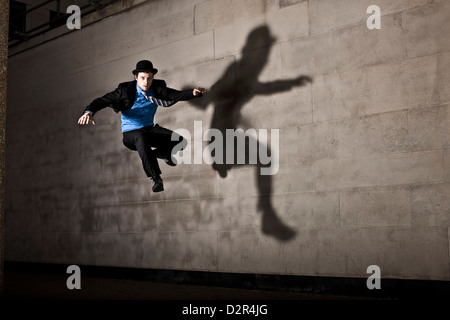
(144, 66)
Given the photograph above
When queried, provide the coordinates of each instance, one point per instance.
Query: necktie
(159, 102)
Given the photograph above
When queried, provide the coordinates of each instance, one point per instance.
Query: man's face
(144, 80)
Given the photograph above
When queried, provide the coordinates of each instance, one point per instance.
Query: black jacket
(123, 97)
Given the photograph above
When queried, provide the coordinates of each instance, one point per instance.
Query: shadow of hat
(259, 37)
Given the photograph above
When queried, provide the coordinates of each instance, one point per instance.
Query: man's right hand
(86, 118)
(303, 80)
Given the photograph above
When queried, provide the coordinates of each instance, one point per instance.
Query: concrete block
(447, 164)
(118, 218)
(110, 249)
(52, 148)
(65, 43)
(428, 128)
(250, 251)
(63, 247)
(311, 56)
(196, 185)
(208, 16)
(159, 30)
(381, 133)
(238, 182)
(119, 192)
(90, 166)
(56, 219)
(118, 71)
(114, 23)
(269, 101)
(205, 75)
(57, 73)
(339, 95)
(133, 41)
(183, 116)
(210, 75)
(293, 178)
(225, 214)
(329, 140)
(376, 207)
(266, 97)
(296, 103)
(358, 137)
(178, 54)
(213, 14)
(284, 24)
(187, 168)
(235, 38)
(287, 3)
(334, 140)
(189, 186)
(382, 94)
(162, 29)
(22, 236)
(49, 243)
(93, 139)
(423, 92)
(192, 166)
(399, 252)
(381, 170)
(266, 213)
(119, 166)
(55, 93)
(164, 6)
(297, 145)
(79, 58)
(357, 46)
(59, 197)
(290, 21)
(180, 250)
(25, 100)
(430, 205)
(309, 210)
(426, 28)
(260, 65)
(27, 64)
(178, 215)
(395, 86)
(444, 77)
(249, 216)
(65, 116)
(328, 14)
(389, 7)
(18, 158)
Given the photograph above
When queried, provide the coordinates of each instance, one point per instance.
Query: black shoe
(157, 184)
(171, 162)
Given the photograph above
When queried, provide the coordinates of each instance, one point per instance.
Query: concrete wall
(364, 172)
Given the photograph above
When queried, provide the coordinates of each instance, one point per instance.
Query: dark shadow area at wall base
(48, 281)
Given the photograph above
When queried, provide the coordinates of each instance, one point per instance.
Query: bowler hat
(144, 66)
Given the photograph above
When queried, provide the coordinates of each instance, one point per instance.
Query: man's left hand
(196, 91)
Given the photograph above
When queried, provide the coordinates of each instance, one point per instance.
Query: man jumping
(137, 101)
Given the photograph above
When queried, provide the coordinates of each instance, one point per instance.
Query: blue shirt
(141, 114)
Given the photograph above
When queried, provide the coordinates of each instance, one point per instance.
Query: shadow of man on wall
(234, 89)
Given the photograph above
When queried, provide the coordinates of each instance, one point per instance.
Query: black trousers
(153, 143)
